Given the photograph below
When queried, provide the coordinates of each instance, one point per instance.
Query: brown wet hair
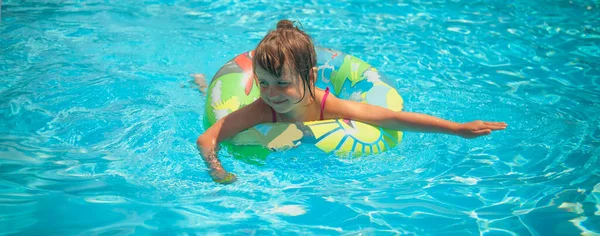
(290, 47)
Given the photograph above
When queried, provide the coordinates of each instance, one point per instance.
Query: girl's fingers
(496, 123)
(483, 131)
(497, 127)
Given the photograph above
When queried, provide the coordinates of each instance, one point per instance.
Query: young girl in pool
(285, 66)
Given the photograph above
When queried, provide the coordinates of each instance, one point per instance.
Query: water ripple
(98, 117)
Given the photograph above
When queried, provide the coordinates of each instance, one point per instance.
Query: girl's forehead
(261, 72)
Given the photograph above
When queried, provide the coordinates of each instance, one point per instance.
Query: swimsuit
(274, 114)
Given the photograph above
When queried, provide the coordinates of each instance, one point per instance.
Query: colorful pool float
(348, 77)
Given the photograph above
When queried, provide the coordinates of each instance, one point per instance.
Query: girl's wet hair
(287, 47)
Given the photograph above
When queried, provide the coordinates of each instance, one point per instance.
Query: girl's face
(283, 93)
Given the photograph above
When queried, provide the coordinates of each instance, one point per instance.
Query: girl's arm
(225, 128)
(407, 121)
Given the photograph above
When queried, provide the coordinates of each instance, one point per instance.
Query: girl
(285, 66)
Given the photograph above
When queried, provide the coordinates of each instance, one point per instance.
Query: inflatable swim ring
(348, 77)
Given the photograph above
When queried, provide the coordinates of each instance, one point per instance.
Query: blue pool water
(99, 119)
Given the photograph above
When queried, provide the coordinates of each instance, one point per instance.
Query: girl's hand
(478, 128)
(222, 176)
(225, 128)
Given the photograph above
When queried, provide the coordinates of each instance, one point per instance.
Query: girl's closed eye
(283, 83)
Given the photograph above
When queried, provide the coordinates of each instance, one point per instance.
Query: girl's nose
(273, 92)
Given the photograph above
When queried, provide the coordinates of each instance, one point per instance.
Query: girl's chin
(281, 107)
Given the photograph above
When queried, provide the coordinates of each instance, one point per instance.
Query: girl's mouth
(279, 102)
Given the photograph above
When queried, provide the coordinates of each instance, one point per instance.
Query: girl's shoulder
(255, 113)
(261, 108)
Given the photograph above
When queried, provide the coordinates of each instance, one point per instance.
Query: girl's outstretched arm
(225, 128)
(408, 121)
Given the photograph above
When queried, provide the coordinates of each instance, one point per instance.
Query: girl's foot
(200, 80)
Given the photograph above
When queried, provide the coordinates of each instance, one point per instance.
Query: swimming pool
(99, 119)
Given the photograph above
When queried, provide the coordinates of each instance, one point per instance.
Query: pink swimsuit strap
(274, 114)
(323, 101)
